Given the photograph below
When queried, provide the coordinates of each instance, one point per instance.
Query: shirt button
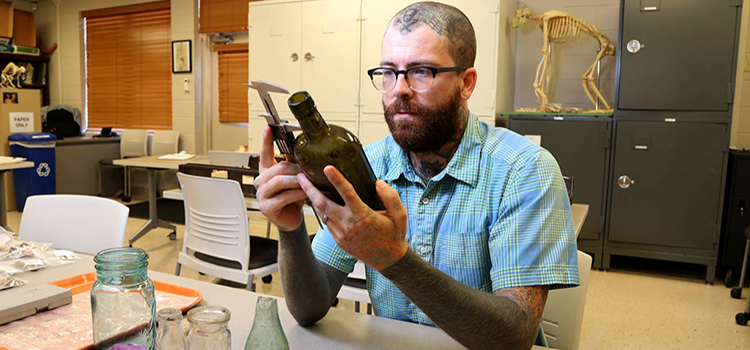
(423, 250)
(425, 200)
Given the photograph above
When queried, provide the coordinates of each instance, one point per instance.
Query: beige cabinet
(16, 101)
(308, 45)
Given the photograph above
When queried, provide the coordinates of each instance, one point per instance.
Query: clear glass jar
(123, 307)
(169, 335)
(209, 328)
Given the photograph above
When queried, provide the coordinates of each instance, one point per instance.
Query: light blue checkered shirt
(507, 219)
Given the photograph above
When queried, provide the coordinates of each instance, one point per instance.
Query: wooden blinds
(223, 15)
(233, 63)
(128, 66)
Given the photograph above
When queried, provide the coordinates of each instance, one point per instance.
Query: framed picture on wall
(182, 59)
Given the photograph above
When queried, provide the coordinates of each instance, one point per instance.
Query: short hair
(445, 20)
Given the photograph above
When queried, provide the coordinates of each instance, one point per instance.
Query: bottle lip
(301, 103)
(117, 258)
(211, 314)
(169, 314)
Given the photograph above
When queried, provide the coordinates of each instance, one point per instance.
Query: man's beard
(429, 128)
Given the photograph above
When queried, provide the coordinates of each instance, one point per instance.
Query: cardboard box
(6, 21)
(24, 28)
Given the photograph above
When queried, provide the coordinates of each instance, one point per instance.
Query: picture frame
(182, 58)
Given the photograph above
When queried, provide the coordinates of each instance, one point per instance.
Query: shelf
(33, 86)
(4, 56)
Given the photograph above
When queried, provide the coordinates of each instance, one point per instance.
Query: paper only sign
(21, 122)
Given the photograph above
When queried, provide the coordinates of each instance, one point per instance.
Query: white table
(4, 168)
(579, 216)
(339, 329)
(152, 164)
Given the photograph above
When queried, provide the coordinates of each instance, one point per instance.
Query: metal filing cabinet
(581, 147)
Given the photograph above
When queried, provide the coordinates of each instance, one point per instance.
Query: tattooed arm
(507, 319)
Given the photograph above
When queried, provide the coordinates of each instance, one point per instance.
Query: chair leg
(250, 285)
(356, 306)
(126, 187)
(177, 269)
(100, 180)
(369, 309)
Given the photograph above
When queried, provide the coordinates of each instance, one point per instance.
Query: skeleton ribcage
(565, 29)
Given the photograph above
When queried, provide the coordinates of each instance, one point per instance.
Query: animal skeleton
(559, 27)
(10, 74)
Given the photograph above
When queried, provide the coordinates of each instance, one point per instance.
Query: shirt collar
(463, 166)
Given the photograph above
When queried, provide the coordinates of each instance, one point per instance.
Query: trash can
(40, 149)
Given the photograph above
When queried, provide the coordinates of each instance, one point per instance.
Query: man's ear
(468, 82)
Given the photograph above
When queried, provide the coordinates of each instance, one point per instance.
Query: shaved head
(446, 21)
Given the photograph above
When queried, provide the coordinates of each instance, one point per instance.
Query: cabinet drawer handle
(294, 57)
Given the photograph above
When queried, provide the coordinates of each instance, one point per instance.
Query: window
(232, 73)
(128, 66)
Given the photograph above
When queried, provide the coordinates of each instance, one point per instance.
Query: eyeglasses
(420, 78)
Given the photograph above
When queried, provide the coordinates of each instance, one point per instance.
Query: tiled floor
(638, 304)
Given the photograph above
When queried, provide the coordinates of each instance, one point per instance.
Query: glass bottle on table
(169, 335)
(123, 307)
(267, 333)
(321, 144)
(209, 328)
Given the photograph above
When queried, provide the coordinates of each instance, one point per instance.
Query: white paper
(536, 139)
(21, 122)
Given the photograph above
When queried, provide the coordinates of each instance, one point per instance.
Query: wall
(569, 60)
(186, 106)
(48, 30)
(741, 112)
(223, 136)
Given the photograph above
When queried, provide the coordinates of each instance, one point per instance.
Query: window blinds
(233, 62)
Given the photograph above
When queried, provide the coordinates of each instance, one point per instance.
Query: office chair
(742, 317)
(133, 143)
(85, 224)
(217, 241)
(563, 313)
(355, 288)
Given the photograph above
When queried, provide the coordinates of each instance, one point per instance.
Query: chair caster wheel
(736, 293)
(172, 236)
(126, 199)
(335, 302)
(267, 279)
(130, 246)
(741, 318)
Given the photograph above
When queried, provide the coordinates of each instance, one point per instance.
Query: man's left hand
(375, 238)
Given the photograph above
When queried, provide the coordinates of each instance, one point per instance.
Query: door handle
(634, 46)
(625, 181)
(309, 57)
(294, 57)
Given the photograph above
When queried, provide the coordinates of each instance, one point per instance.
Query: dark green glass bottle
(321, 144)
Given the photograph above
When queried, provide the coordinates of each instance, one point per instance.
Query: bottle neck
(313, 126)
(266, 312)
(172, 326)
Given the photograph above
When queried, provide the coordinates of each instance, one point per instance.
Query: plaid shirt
(497, 216)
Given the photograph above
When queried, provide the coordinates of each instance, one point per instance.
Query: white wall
(569, 60)
(68, 60)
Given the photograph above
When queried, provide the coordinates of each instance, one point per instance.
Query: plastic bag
(8, 281)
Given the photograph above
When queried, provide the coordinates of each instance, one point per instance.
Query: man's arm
(507, 319)
(310, 286)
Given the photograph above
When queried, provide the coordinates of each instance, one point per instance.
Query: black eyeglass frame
(405, 72)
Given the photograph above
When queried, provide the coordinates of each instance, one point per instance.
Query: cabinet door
(580, 148)
(677, 174)
(330, 33)
(274, 31)
(686, 60)
(484, 16)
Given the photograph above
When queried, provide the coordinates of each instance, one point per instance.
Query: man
(477, 226)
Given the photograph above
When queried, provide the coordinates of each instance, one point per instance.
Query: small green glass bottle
(321, 144)
(267, 333)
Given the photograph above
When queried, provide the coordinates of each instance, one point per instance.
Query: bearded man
(477, 227)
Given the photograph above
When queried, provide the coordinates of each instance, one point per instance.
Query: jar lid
(211, 314)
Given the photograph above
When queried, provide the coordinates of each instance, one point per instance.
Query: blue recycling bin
(40, 149)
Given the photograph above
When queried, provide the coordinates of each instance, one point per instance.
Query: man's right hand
(279, 195)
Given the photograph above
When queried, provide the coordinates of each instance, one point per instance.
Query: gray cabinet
(666, 190)
(581, 147)
(677, 54)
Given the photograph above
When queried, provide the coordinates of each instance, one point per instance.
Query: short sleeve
(532, 242)
(326, 250)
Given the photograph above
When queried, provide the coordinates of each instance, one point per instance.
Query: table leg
(3, 205)
(153, 221)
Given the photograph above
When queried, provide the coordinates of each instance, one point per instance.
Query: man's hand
(279, 194)
(376, 238)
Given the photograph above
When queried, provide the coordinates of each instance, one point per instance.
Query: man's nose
(402, 86)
